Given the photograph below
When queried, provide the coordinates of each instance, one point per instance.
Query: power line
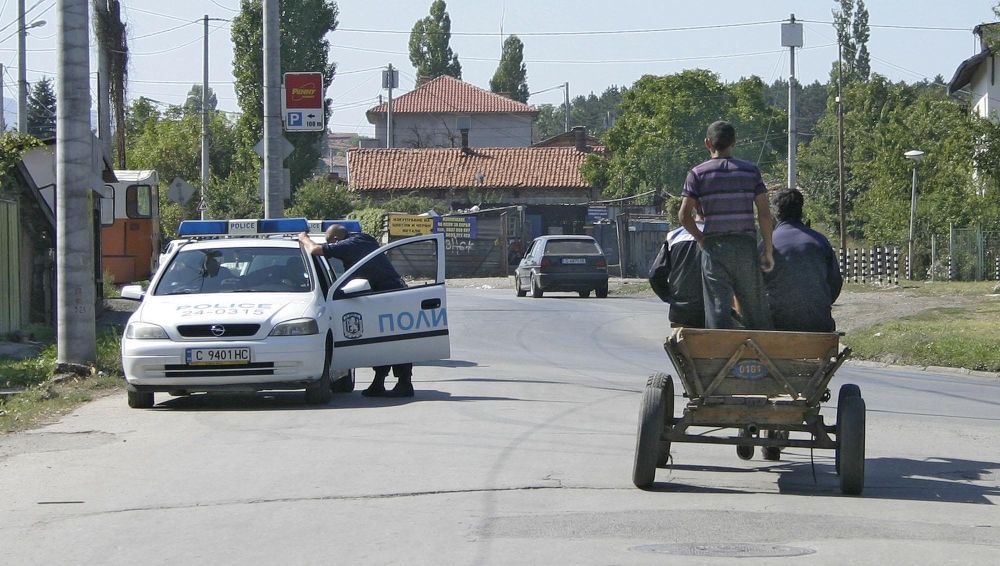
(894, 26)
(574, 33)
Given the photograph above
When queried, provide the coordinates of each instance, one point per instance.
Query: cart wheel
(663, 455)
(744, 451)
(846, 390)
(851, 446)
(773, 453)
(651, 420)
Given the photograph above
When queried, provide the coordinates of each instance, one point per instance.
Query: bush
(320, 199)
(371, 220)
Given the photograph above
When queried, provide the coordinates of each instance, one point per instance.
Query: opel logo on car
(218, 329)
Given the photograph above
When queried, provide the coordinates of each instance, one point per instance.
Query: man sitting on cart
(806, 277)
(727, 190)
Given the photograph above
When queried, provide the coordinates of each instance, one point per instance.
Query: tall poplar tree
(511, 76)
(304, 47)
(851, 25)
(430, 52)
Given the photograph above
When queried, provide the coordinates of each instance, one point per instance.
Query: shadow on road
(295, 401)
(933, 479)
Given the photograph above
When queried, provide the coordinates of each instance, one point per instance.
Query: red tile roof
(445, 168)
(447, 94)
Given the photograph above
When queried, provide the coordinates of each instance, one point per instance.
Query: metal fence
(973, 254)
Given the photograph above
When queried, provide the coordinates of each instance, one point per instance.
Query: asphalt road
(518, 450)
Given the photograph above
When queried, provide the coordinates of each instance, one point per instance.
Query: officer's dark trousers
(402, 372)
(730, 267)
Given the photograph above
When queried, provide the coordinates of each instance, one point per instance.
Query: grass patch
(929, 288)
(966, 337)
(630, 287)
(42, 399)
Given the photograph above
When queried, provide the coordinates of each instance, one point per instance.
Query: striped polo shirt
(725, 187)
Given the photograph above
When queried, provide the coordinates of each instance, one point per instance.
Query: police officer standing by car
(382, 276)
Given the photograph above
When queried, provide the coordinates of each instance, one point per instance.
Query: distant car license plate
(217, 356)
(568, 260)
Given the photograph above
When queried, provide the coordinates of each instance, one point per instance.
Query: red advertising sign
(304, 90)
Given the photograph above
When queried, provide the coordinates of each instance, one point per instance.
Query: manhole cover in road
(726, 550)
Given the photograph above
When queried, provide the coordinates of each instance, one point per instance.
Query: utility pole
(22, 75)
(390, 80)
(791, 37)
(566, 88)
(273, 192)
(203, 205)
(840, 146)
(76, 292)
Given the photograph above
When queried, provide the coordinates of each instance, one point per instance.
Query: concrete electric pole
(390, 80)
(791, 37)
(203, 205)
(75, 287)
(22, 75)
(273, 193)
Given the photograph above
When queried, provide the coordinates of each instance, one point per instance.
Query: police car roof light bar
(244, 227)
(320, 226)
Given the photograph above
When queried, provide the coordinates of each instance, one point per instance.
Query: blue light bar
(245, 227)
(320, 226)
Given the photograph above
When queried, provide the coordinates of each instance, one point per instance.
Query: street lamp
(914, 155)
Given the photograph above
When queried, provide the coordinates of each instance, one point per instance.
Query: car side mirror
(353, 287)
(133, 292)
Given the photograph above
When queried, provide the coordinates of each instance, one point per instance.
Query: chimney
(465, 141)
(580, 136)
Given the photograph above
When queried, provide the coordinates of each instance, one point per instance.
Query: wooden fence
(10, 270)
(871, 266)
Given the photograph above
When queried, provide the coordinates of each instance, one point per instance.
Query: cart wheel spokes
(652, 418)
(846, 390)
(851, 445)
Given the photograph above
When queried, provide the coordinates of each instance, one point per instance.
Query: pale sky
(590, 44)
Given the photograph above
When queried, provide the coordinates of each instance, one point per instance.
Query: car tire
(320, 391)
(140, 399)
(584, 294)
(344, 384)
(648, 443)
(846, 390)
(601, 292)
(536, 290)
(517, 287)
(851, 446)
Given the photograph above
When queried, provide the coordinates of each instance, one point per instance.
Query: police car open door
(381, 327)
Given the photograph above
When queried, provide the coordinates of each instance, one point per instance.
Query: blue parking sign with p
(294, 119)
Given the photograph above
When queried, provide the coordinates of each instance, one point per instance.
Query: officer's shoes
(402, 390)
(375, 391)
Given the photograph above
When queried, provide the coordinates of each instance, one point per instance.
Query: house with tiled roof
(513, 175)
(434, 113)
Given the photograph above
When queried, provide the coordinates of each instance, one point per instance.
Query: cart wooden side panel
(753, 362)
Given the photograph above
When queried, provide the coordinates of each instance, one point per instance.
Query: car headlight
(145, 331)
(297, 327)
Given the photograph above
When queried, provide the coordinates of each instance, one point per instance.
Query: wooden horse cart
(763, 384)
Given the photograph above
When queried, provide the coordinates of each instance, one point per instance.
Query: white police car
(237, 309)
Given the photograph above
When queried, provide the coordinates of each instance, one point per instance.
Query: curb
(928, 369)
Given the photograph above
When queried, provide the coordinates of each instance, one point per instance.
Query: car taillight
(601, 262)
(546, 262)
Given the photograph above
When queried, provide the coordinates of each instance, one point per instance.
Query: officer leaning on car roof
(382, 276)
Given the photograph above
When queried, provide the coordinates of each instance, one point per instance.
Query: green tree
(42, 110)
(430, 52)
(141, 113)
(851, 24)
(511, 75)
(810, 101)
(596, 113)
(660, 133)
(320, 198)
(304, 28)
(192, 105)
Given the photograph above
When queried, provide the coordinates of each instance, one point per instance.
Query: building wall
(985, 90)
(440, 130)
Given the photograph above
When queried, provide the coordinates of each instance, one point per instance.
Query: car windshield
(569, 247)
(235, 270)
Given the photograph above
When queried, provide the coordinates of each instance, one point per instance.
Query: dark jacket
(379, 272)
(675, 277)
(805, 281)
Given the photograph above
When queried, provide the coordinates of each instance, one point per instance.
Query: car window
(569, 247)
(235, 270)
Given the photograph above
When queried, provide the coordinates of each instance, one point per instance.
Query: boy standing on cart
(726, 190)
